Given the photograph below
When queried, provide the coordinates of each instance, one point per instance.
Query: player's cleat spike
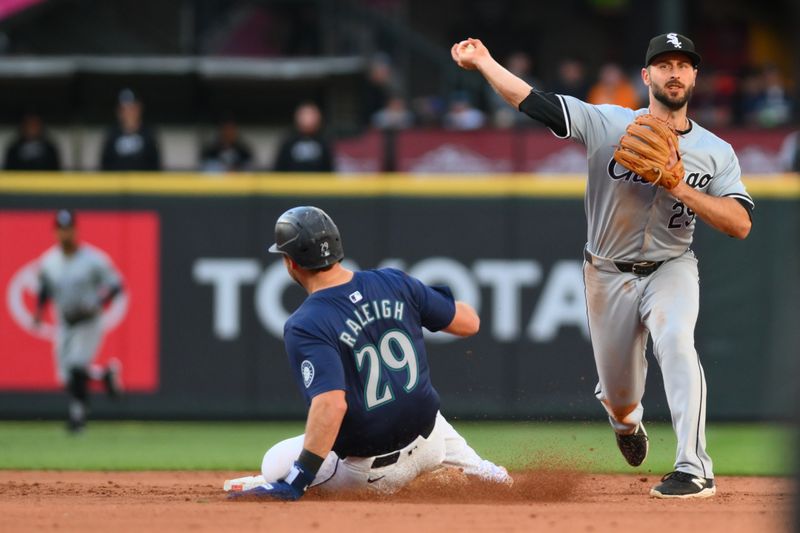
(260, 490)
(489, 471)
(111, 379)
(634, 447)
(682, 485)
(275, 491)
(243, 483)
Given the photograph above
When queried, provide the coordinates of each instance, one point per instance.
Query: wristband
(303, 472)
(310, 462)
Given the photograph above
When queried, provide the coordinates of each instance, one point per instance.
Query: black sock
(78, 389)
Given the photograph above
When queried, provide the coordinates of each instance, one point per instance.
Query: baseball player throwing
(80, 280)
(357, 351)
(641, 276)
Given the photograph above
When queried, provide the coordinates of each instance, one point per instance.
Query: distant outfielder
(651, 172)
(81, 281)
(357, 351)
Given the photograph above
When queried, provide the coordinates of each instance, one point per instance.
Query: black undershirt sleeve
(747, 207)
(112, 293)
(546, 108)
(43, 296)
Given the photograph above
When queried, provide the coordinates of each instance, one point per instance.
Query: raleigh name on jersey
(365, 337)
(628, 218)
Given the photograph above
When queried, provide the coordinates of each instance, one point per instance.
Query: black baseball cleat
(111, 379)
(682, 485)
(75, 426)
(634, 446)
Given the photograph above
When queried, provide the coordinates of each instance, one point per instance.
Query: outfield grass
(737, 449)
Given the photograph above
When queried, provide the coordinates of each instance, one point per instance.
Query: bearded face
(671, 79)
(674, 94)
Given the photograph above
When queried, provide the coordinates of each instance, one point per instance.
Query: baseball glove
(650, 149)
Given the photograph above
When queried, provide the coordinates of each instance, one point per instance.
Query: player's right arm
(324, 421)
(510, 87)
(543, 107)
(320, 375)
(319, 372)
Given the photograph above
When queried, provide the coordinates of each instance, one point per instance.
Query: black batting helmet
(308, 235)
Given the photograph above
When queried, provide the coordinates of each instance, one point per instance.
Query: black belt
(391, 458)
(640, 268)
(75, 318)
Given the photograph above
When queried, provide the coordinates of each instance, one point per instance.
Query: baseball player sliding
(80, 280)
(357, 351)
(647, 183)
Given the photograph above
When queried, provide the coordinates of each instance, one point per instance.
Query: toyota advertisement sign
(198, 329)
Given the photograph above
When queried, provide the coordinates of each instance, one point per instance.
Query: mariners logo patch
(307, 370)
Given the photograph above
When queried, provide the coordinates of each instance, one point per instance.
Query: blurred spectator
(749, 94)
(461, 115)
(504, 116)
(713, 99)
(789, 154)
(305, 149)
(32, 149)
(130, 145)
(395, 116)
(428, 110)
(379, 86)
(571, 79)
(613, 87)
(227, 152)
(773, 106)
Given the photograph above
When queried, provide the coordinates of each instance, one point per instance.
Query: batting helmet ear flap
(309, 237)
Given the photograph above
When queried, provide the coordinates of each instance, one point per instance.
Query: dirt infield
(539, 501)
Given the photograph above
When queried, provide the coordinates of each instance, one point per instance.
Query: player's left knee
(675, 342)
(279, 459)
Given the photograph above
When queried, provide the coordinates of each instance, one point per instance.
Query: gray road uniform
(77, 284)
(641, 277)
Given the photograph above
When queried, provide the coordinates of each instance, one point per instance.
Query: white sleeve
(106, 273)
(595, 125)
(728, 182)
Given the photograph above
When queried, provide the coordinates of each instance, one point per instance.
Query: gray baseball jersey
(76, 283)
(630, 220)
